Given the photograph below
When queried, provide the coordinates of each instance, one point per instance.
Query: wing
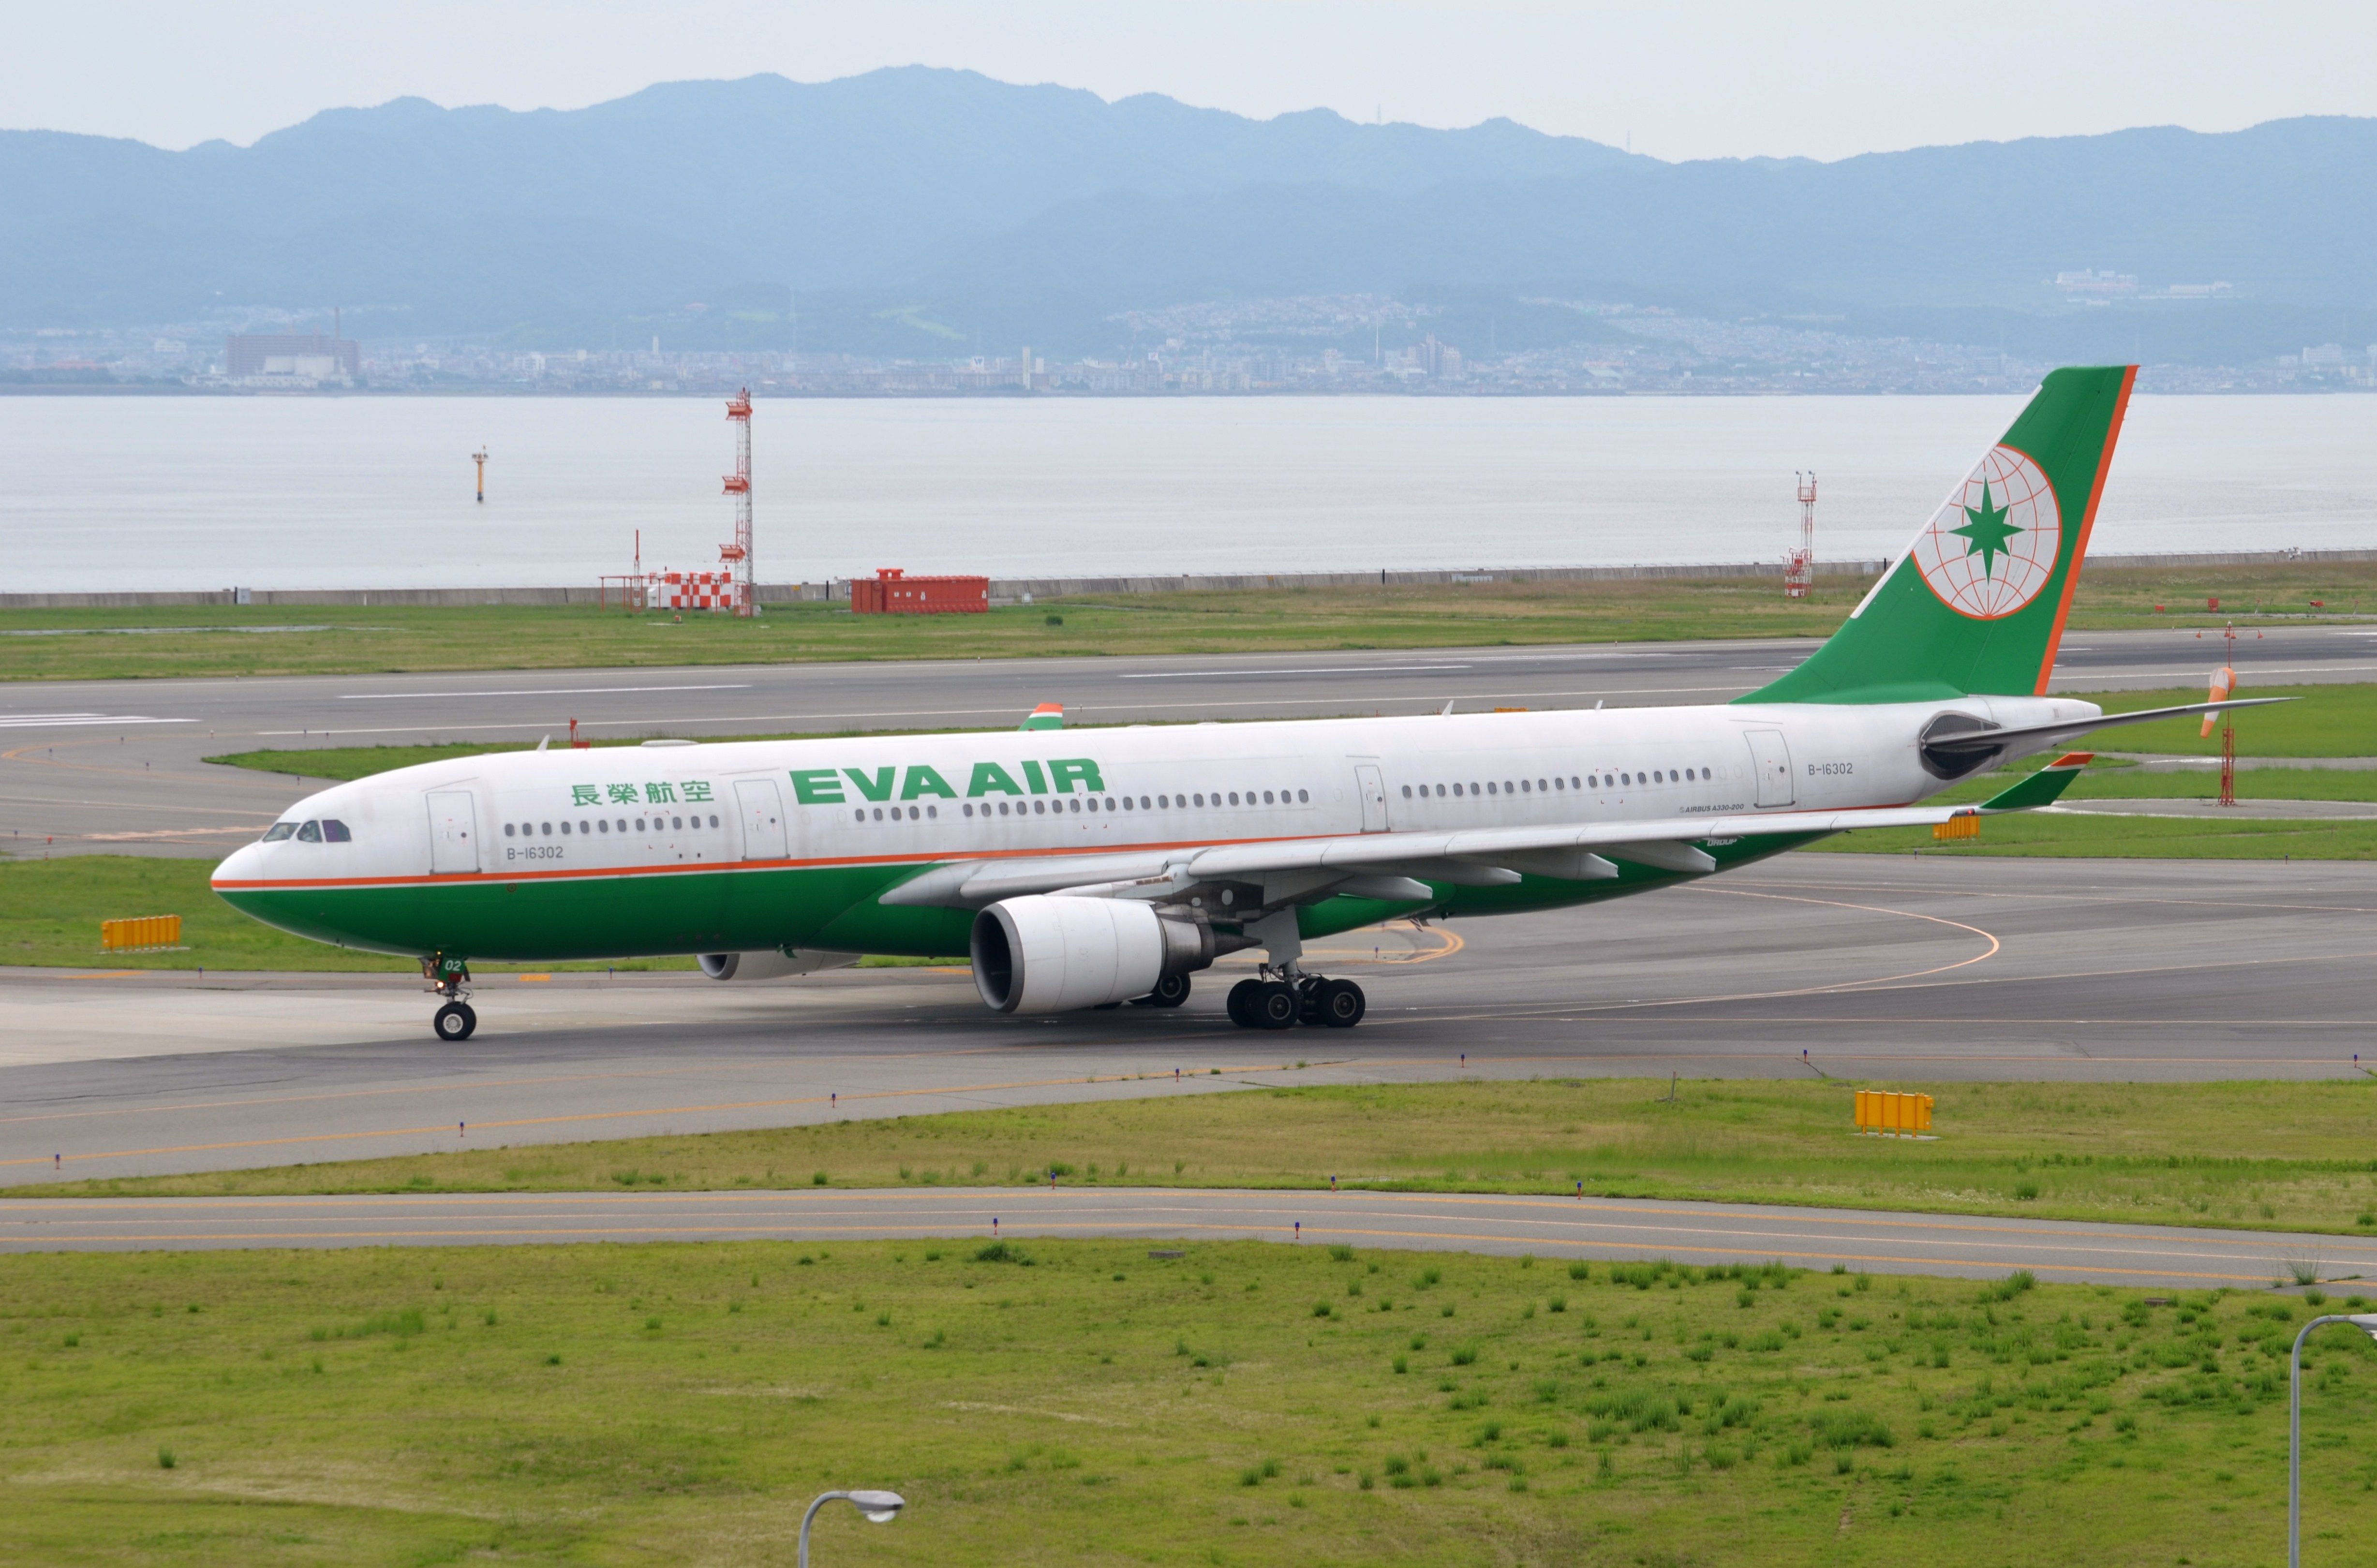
(1398, 867)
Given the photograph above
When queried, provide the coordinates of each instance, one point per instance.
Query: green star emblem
(1986, 530)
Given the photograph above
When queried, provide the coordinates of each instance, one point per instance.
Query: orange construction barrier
(1888, 1114)
(134, 936)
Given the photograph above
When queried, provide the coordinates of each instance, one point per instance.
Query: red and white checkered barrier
(693, 590)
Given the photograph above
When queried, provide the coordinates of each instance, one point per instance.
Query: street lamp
(2367, 1323)
(880, 1508)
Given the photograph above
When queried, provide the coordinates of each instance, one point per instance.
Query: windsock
(2224, 686)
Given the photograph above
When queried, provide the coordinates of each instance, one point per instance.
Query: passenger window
(565, 826)
(623, 825)
(1303, 798)
(310, 834)
(335, 832)
(547, 829)
(1039, 808)
(640, 824)
(602, 825)
(508, 830)
(932, 811)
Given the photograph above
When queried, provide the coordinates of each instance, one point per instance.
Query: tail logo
(1990, 548)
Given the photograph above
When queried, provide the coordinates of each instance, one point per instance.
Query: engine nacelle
(773, 963)
(1052, 954)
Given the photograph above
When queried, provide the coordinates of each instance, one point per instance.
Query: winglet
(2043, 787)
(1048, 716)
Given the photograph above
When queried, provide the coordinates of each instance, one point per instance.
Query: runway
(1555, 1228)
(1904, 969)
(115, 766)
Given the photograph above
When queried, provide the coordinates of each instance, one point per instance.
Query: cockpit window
(310, 834)
(335, 832)
(277, 831)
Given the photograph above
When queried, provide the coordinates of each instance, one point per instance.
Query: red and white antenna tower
(737, 555)
(1800, 572)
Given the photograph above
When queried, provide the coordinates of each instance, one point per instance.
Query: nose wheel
(1308, 999)
(449, 977)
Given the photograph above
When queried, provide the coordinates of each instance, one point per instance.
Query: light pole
(2367, 1323)
(880, 1508)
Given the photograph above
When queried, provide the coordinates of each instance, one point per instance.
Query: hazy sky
(1716, 78)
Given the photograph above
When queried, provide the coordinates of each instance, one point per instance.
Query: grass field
(2294, 1156)
(1084, 1403)
(309, 639)
(50, 912)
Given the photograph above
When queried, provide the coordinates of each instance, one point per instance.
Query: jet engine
(1044, 954)
(771, 963)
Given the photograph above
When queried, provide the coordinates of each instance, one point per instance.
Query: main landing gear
(450, 978)
(1279, 1003)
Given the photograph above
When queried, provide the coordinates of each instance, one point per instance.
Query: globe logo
(1990, 548)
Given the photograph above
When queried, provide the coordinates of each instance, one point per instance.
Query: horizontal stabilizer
(1979, 742)
(2041, 789)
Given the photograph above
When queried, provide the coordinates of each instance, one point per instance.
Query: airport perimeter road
(1551, 1228)
(116, 766)
(1874, 967)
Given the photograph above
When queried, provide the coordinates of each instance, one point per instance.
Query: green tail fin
(2041, 789)
(1977, 604)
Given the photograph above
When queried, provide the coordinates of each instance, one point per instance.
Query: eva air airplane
(1087, 868)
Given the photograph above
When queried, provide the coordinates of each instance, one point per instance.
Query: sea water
(179, 493)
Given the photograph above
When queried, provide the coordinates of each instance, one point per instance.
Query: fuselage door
(761, 807)
(453, 833)
(1771, 760)
(1373, 789)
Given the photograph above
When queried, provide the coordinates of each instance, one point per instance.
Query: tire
(1273, 1005)
(454, 1022)
(1340, 1004)
(1170, 991)
(1240, 1003)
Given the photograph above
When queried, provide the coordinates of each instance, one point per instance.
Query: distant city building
(2323, 353)
(2090, 284)
(307, 356)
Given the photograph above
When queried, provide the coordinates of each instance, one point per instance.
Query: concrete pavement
(1557, 1229)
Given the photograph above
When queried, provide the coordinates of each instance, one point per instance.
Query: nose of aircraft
(240, 865)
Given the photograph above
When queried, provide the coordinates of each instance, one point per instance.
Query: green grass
(2287, 1155)
(2324, 720)
(1080, 1402)
(363, 640)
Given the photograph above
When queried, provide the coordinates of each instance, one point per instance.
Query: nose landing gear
(450, 978)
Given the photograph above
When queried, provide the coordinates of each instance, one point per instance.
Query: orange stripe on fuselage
(2087, 523)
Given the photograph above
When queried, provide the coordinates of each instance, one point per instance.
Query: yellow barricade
(1890, 1113)
(1967, 826)
(148, 930)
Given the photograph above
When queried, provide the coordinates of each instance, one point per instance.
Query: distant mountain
(916, 209)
